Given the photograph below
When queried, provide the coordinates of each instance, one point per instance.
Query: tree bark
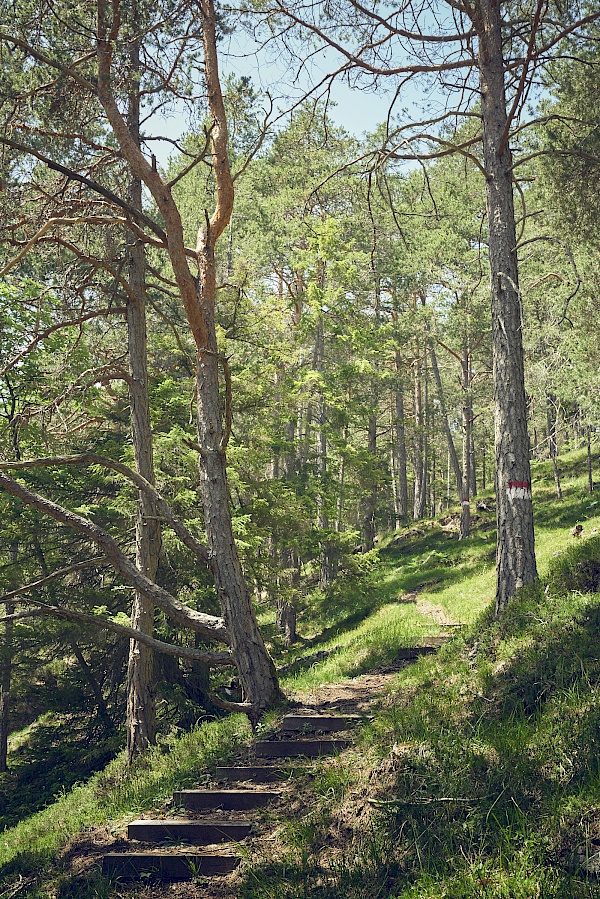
(552, 445)
(256, 668)
(141, 709)
(516, 564)
(326, 567)
(6, 674)
(467, 418)
(590, 472)
(461, 477)
(370, 501)
(419, 491)
(400, 441)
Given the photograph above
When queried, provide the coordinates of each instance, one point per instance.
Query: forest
(256, 365)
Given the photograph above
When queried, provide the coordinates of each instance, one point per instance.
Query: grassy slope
(483, 771)
(504, 718)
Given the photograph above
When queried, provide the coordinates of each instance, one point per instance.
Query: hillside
(476, 776)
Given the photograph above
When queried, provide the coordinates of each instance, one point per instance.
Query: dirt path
(436, 613)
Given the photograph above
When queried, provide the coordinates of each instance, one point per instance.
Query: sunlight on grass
(119, 792)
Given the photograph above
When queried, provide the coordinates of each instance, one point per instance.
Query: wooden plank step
(412, 653)
(199, 833)
(251, 774)
(238, 800)
(274, 749)
(326, 723)
(166, 866)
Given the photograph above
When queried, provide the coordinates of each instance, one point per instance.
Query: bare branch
(209, 626)
(61, 572)
(162, 507)
(88, 182)
(180, 652)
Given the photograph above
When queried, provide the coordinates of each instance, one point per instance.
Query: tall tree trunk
(400, 447)
(141, 709)
(326, 572)
(552, 445)
(516, 564)
(590, 473)
(461, 479)
(6, 661)
(198, 296)
(341, 485)
(419, 494)
(467, 416)
(370, 500)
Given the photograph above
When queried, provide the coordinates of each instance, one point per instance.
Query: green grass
(484, 767)
(505, 717)
(117, 794)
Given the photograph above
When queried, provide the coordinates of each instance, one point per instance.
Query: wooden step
(238, 800)
(412, 653)
(251, 774)
(274, 749)
(187, 830)
(166, 865)
(326, 723)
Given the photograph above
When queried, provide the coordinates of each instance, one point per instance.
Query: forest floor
(476, 771)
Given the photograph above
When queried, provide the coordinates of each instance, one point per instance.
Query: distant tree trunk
(401, 496)
(90, 679)
(370, 501)
(516, 564)
(141, 711)
(483, 468)
(326, 571)
(400, 455)
(6, 661)
(419, 494)
(462, 481)
(472, 458)
(590, 474)
(286, 614)
(339, 513)
(433, 484)
(552, 445)
(467, 418)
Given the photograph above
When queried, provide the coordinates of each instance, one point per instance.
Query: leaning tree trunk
(256, 670)
(198, 297)
(516, 564)
(141, 709)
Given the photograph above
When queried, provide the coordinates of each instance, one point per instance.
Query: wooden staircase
(165, 848)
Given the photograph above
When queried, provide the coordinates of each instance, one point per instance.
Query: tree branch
(61, 572)
(88, 182)
(210, 626)
(180, 652)
(162, 506)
